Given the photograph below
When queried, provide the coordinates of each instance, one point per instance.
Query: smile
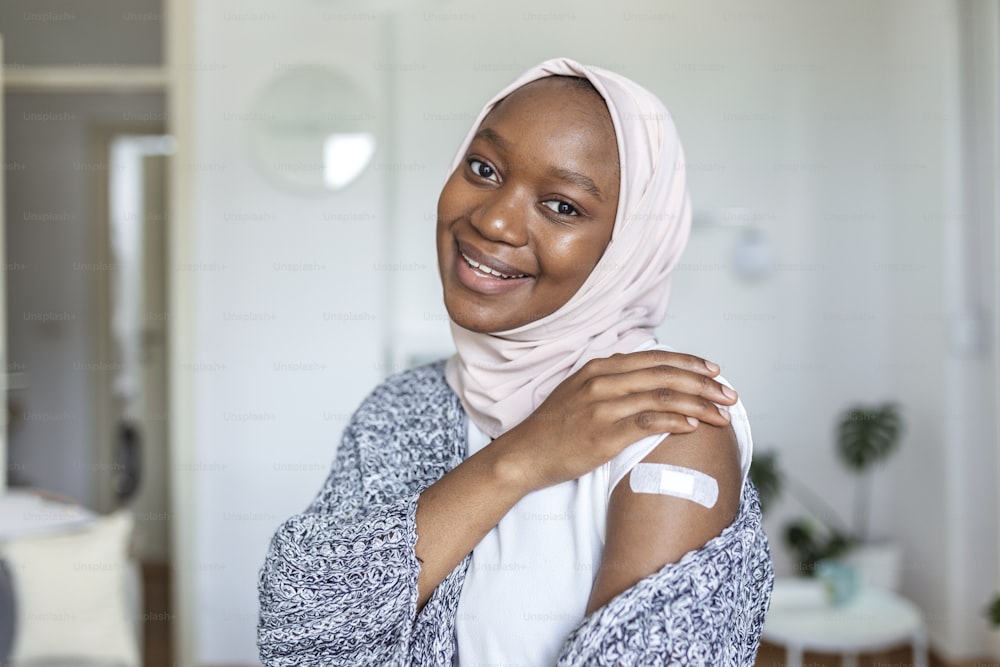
(482, 268)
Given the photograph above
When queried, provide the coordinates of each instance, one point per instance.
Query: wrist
(512, 466)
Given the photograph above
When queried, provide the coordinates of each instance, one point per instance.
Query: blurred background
(218, 237)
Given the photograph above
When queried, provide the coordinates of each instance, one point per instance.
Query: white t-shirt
(530, 577)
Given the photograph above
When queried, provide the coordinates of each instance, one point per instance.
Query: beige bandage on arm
(670, 480)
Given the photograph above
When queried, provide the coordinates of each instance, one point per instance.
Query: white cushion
(72, 594)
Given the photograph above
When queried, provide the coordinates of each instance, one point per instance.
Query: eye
(560, 207)
(482, 169)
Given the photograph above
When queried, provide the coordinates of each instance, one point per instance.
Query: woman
(564, 215)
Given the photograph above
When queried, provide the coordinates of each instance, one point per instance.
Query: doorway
(132, 445)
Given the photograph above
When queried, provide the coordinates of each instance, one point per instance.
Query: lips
(489, 266)
(486, 275)
(493, 272)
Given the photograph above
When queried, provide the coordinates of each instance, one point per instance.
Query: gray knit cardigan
(339, 582)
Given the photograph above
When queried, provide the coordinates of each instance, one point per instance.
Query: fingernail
(693, 421)
(712, 367)
(728, 392)
(725, 414)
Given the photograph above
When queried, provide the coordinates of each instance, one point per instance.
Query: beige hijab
(501, 378)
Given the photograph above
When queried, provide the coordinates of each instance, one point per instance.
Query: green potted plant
(820, 535)
(992, 613)
(865, 437)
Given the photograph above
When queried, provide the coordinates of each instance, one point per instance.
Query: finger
(634, 360)
(686, 405)
(642, 424)
(665, 401)
(659, 377)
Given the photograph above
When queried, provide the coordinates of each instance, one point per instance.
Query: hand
(609, 404)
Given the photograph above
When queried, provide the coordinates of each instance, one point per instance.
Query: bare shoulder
(645, 531)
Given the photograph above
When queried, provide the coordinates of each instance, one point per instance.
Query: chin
(460, 316)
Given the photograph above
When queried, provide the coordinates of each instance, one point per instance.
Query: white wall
(280, 355)
(942, 277)
(825, 121)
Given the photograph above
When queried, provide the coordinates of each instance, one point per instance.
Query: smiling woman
(484, 510)
(523, 221)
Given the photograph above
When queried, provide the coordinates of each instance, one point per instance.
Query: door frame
(181, 64)
(102, 346)
(4, 361)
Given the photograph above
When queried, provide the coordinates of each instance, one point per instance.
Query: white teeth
(485, 269)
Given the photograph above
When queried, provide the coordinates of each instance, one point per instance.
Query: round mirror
(313, 129)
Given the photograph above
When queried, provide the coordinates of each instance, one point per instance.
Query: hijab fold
(502, 377)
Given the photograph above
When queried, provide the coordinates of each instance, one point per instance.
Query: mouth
(489, 266)
(486, 275)
(482, 268)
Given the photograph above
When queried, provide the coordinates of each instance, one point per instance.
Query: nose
(502, 217)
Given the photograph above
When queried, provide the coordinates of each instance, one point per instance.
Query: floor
(774, 656)
(159, 616)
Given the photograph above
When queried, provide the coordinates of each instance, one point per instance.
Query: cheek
(445, 214)
(450, 197)
(573, 257)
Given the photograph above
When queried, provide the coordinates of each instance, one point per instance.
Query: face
(527, 215)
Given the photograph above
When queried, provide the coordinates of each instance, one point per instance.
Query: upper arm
(645, 531)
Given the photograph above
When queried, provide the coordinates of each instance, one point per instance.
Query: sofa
(70, 593)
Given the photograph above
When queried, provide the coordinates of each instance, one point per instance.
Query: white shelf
(87, 78)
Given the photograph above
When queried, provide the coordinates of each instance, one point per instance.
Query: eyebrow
(493, 137)
(577, 179)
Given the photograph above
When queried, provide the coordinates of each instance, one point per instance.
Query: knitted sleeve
(339, 582)
(706, 609)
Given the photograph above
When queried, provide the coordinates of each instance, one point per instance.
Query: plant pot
(840, 580)
(878, 564)
(993, 643)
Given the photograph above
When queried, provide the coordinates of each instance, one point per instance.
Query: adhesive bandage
(671, 480)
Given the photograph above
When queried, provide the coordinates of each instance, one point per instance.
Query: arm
(646, 531)
(339, 583)
(458, 510)
(679, 599)
(310, 577)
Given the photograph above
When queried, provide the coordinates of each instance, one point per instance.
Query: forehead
(553, 99)
(558, 122)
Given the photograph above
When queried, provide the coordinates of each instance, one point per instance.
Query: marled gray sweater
(339, 583)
